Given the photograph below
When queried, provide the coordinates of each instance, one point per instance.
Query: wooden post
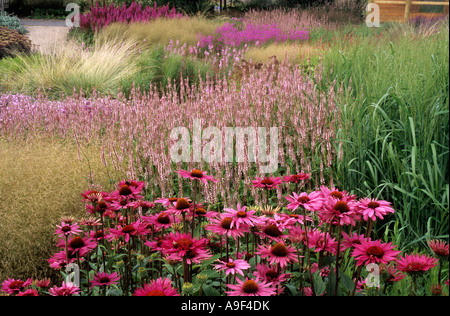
(407, 10)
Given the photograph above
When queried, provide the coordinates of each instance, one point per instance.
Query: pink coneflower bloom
(232, 266)
(197, 175)
(66, 289)
(105, 279)
(416, 264)
(324, 272)
(167, 201)
(44, 283)
(267, 183)
(90, 222)
(134, 185)
(352, 241)
(93, 196)
(81, 245)
(127, 231)
(297, 235)
(242, 216)
(317, 241)
(373, 208)
(336, 194)
(374, 252)
(393, 274)
(67, 229)
(158, 287)
(59, 259)
(440, 248)
(161, 220)
(278, 254)
(311, 202)
(295, 218)
(144, 205)
(181, 244)
(339, 212)
(155, 245)
(297, 178)
(12, 286)
(195, 255)
(181, 205)
(251, 287)
(222, 226)
(29, 292)
(270, 274)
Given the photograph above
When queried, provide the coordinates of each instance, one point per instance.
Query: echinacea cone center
(342, 207)
(241, 214)
(230, 265)
(200, 211)
(155, 293)
(197, 173)
(336, 194)
(104, 279)
(77, 242)
(102, 205)
(171, 200)
(184, 243)
(128, 229)
(267, 182)
(125, 190)
(375, 251)
(163, 219)
(271, 274)
(16, 284)
(182, 204)
(66, 229)
(272, 230)
(226, 222)
(373, 204)
(250, 286)
(98, 234)
(279, 250)
(303, 199)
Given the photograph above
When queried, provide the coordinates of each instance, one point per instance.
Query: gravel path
(46, 34)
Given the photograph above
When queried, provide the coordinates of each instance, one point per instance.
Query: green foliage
(394, 132)
(12, 22)
(188, 7)
(11, 42)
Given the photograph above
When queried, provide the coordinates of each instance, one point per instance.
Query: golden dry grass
(39, 183)
(295, 52)
(160, 31)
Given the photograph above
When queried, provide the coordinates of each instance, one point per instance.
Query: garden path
(45, 34)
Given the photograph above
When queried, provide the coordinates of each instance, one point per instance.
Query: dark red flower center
(125, 190)
(342, 207)
(128, 229)
(267, 182)
(182, 204)
(272, 230)
(171, 200)
(200, 211)
(250, 286)
(272, 274)
(241, 214)
(184, 243)
(104, 279)
(98, 234)
(66, 229)
(155, 293)
(279, 250)
(375, 251)
(197, 173)
(102, 205)
(230, 265)
(163, 219)
(303, 199)
(77, 242)
(16, 284)
(373, 204)
(415, 267)
(226, 222)
(336, 194)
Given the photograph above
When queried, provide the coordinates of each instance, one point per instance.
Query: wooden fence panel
(403, 10)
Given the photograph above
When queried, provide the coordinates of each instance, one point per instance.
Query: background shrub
(12, 41)
(12, 22)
